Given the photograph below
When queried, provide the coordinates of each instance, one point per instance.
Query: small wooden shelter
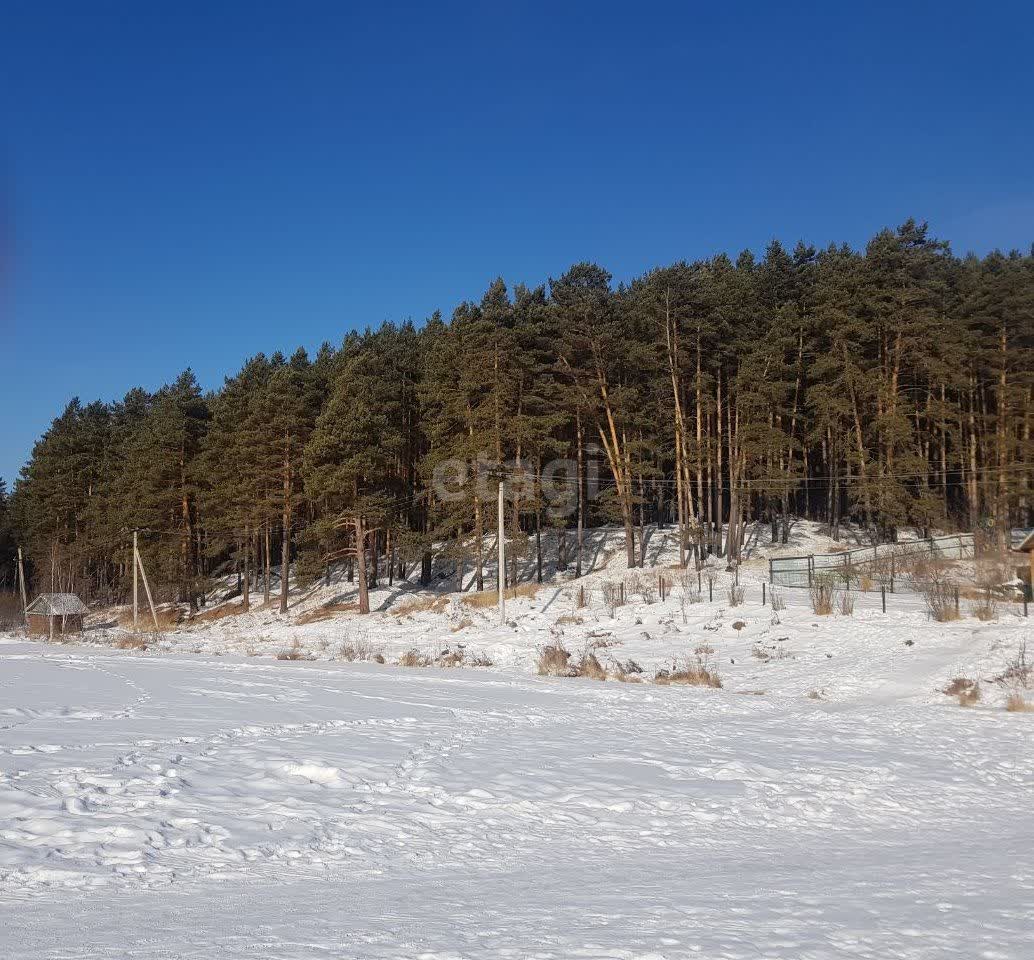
(1027, 547)
(55, 613)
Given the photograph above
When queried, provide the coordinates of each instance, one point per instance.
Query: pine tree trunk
(360, 557)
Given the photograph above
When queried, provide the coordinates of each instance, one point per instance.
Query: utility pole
(21, 581)
(136, 583)
(138, 562)
(502, 555)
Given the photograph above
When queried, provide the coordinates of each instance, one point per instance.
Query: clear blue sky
(185, 184)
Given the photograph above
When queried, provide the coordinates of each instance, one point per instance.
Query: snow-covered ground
(828, 801)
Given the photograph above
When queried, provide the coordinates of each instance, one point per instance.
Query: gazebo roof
(56, 605)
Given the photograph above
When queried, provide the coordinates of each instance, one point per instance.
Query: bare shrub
(478, 658)
(845, 603)
(778, 600)
(1019, 672)
(986, 608)
(1016, 703)
(735, 595)
(940, 598)
(554, 661)
(690, 673)
(414, 658)
(568, 619)
(823, 595)
(611, 596)
(704, 650)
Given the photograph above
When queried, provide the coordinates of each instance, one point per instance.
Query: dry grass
(690, 673)
(449, 658)
(704, 650)
(568, 619)
(966, 691)
(735, 595)
(294, 652)
(327, 612)
(845, 604)
(414, 658)
(627, 671)
(489, 598)
(553, 661)
(461, 625)
(217, 613)
(590, 668)
(823, 596)
(815, 695)
(941, 599)
(778, 600)
(358, 650)
(168, 617)
(986, 608)
(132, 642)
(411, 605)
(477, 658)
(1017, 703)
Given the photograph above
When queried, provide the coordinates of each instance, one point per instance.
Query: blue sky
(188, 184)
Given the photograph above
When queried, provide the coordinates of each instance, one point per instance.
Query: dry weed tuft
(554, 661)
(690, 673)
(1016, 703)
(414, 658)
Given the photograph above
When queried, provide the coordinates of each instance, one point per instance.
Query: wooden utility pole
(147, 587)
(502, 555)
(21, 583)
(136, 584)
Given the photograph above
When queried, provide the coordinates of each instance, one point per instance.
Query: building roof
(56, 605)
(1027, 543)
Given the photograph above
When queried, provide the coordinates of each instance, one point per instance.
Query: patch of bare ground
(133, 641)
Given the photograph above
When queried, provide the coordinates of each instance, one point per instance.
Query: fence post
(710, 591)
(892, 573)
(847, 574)
(763, 592)
(883, 597)
(770, 571)
(622, 591)
(957, 600)
(700, 583)
(811, 560)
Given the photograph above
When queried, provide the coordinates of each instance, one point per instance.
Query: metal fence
(894, 566)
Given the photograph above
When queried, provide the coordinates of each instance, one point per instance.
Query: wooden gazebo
(55, 613)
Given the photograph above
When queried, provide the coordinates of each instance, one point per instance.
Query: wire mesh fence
(896, 567)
